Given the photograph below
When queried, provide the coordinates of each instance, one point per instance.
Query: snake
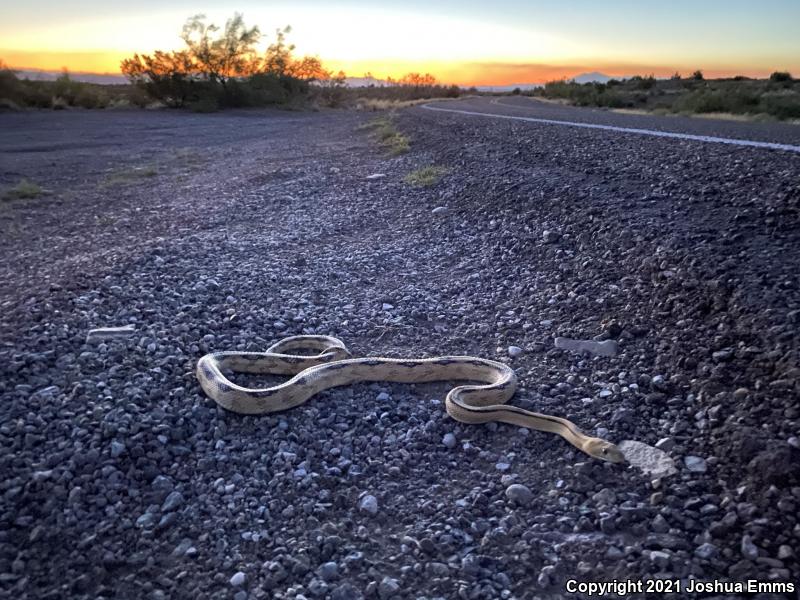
(483, 400)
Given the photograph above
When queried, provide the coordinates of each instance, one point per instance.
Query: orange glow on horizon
(461, 73)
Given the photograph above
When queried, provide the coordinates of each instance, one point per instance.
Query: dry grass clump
(24, 190)
(384, 131)
(426, 176)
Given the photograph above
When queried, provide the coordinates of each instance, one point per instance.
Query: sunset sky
(460, 41)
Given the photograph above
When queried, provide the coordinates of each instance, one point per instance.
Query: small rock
(605, 497)
(722, 355)
(368, 504)
(376, 176)
(146, 521)
(545, 578)
(695, 464)
(519, 493)
(749, 549)
(449, 440)
(605, 348)
(117, 448)
(660, 558)
(387, 306)
(660, 524)
(440, 210)
(706, 551)
(346, 591)
(238, 579)
(550, 237)
(666, 444)
(388, 587)
(102, 334)
(659, 383)
(329, 571)
(514, 351)
(173, 502)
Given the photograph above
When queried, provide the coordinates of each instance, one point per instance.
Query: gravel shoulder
(120, 478)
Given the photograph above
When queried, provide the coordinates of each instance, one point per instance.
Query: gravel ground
(121, 479)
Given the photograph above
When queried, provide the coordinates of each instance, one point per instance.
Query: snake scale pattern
(333, 366)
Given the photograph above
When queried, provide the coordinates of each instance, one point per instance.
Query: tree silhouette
(231, 55)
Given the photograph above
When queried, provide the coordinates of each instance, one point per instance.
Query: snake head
(603, 450)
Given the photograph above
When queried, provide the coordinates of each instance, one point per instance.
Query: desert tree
(221, 58)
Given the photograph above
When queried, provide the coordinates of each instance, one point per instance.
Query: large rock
(652, 461)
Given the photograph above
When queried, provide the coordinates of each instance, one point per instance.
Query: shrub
(782, 106)
(88, 97)
(25, 189)
(780, 77)
(426, 176)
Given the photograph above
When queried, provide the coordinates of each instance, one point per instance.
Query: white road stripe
(666, 134)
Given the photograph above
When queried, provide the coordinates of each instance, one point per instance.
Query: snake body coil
(333, 367)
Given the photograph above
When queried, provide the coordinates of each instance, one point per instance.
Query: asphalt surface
(783, 133)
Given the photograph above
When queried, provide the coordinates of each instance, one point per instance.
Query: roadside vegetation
(222, 67)
(24, 190)
(64, 92)
(426, 176)
(130, 175)
(775, 98)
(384, 131)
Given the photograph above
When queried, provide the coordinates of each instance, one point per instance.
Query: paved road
(784, 136)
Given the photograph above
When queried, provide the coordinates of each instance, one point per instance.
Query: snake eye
(605, 450)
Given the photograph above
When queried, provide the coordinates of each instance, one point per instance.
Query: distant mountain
(364, 82)
(508, 88)
(100, 78)
(593, 77)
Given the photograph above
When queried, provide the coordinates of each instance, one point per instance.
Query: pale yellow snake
(332, 367)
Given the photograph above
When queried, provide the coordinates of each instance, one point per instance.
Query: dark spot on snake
(262, 393)
(301, 381)
(409, 364)
(224, 387)
(371, 363)
(207, 371)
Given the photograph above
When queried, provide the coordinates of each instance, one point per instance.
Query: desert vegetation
(384, 131)
(777, 97)
(64, 92)
(425, 176)
(24, 190)
(222, 67)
